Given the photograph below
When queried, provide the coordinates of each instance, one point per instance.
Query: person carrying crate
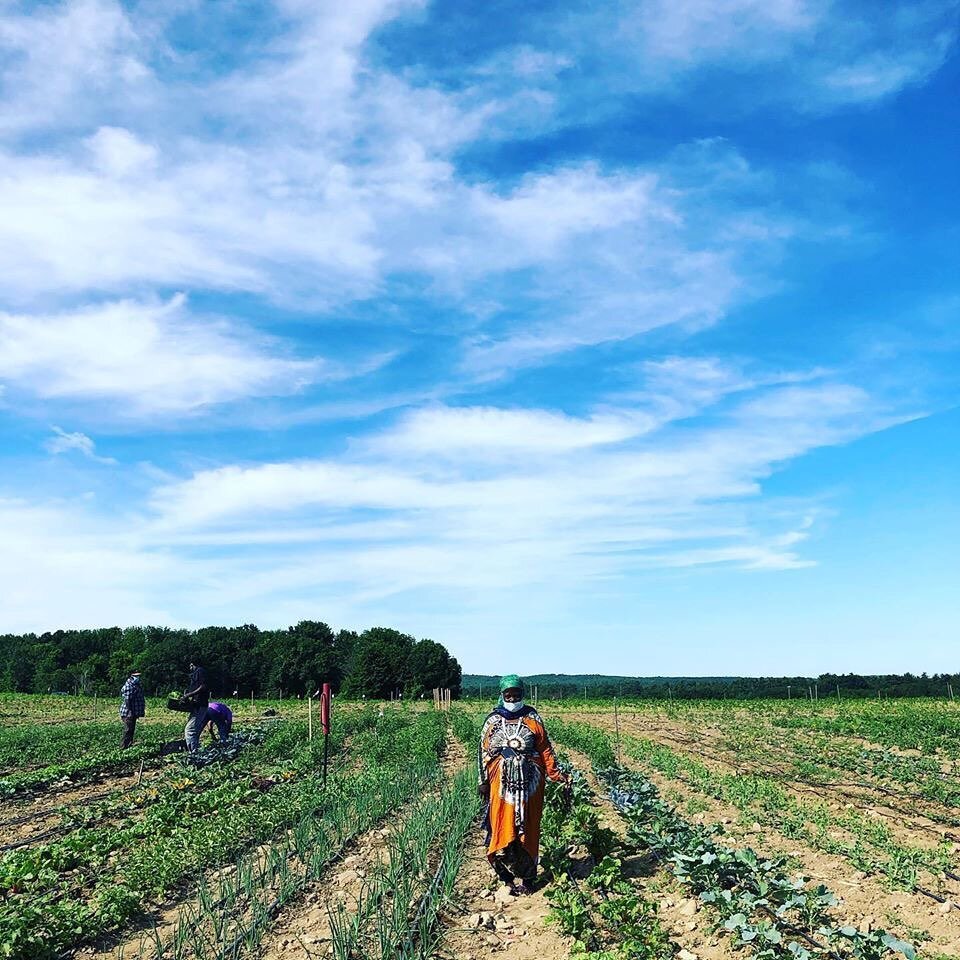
(198, 696)
(133, 705)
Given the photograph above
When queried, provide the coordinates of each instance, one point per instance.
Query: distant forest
(560, 685)
(378, 663)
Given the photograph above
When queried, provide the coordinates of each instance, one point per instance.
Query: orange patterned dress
(514, 756)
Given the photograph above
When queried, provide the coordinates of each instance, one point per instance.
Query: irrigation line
(914, 887)
(36, 838)
(914, 826)
(42, 814)
(787, 775)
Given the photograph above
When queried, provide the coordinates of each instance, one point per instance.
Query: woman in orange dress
(514, 757)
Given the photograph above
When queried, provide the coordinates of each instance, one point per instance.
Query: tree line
(377, 663)
(850, 685)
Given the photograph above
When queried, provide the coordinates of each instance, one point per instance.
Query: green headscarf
(508, 682)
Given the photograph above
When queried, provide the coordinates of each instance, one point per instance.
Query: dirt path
(484, 918)
(36, 814)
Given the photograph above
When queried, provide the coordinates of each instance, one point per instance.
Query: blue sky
(614, 337)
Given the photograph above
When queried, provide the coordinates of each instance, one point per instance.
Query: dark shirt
(132, 702)
(197, 687)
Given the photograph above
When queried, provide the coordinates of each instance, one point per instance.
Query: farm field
(696, 830)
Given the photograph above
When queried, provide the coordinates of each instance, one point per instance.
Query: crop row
(395, 913)
(869, 844)
(766, 909)
(36, 745)
(93, 880)
(816, 756)
(774, 914)
(608, 914)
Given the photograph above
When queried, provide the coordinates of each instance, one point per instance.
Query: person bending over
(219, 715)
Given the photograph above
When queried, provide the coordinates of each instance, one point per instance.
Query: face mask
(513, 707)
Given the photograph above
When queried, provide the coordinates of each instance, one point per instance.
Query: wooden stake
(310, 718)
(140, 772)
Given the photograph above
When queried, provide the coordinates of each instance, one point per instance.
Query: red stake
(325, 698)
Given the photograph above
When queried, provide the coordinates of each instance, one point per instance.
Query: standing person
(133, 705)
(514, 756)
(221, 716)
(198, 693)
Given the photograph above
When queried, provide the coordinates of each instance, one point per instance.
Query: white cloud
(64, 442)
(534, 481)
(98, 573)
(813, 54)
(64, 63)
(457, 506)
(118, 152)
(156, 357)
(471, 433)
(688, 32)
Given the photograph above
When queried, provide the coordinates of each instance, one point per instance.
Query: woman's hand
(483, 790)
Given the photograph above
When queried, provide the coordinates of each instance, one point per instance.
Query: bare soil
(690, 928)
(906, 819)
(43, 809)
(302, 931)
(865, 900)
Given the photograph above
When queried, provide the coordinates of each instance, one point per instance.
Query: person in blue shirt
(221, 716)
(133, 705)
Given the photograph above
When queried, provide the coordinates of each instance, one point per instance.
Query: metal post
(616, 720)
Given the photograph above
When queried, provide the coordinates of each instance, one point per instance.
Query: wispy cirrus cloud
(351, 182)
(63, 441)
(155, 356)
(529, 498)
(457, 479)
